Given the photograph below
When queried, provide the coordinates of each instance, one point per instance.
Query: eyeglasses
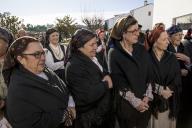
(133, 31)
(37, 54)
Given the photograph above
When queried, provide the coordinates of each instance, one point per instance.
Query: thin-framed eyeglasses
(37, 54)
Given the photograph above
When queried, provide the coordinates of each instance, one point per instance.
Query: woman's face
(3, 47)
(162, 42)
(54, 38)
(33, 58)
(176, 38)
(131, 35)
(89, 48)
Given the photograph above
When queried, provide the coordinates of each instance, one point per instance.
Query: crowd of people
(125, 80)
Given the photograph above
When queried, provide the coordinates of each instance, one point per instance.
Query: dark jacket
(166, 73)
(90, 93)
(130, 72)
(34, 102)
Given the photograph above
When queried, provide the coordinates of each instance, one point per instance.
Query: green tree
(66, 26)
(10, 22)
(93, 23)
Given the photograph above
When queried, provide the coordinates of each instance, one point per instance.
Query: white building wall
(166, 10)
(141, 14)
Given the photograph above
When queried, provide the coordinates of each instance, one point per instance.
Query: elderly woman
(37, 98)
(166, 79)
(129, 67)
(3, 86)
(87, 81)
(56, 53)
(175, 46)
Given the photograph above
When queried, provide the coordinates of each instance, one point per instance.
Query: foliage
(10, 22)
(66, 26)
(93, 23)
(36, 28)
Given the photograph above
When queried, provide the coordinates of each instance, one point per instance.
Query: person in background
(7, 34)
(129, 67)
(176, 46)
(3, 87)
(160, 24)
(37, 97)
(21, 33)
(56, 53)
(141, 38)
(166, 81)
(101, 48)
(88, 82)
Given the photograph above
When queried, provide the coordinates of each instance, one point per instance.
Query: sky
(44, 12)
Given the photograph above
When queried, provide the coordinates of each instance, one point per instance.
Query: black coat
(166, 72)
(90, 93)
(130, 72)
(34, 102)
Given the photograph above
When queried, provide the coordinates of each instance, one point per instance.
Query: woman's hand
(107, 78)
(166, 93)
(142, 107)
(183, 57)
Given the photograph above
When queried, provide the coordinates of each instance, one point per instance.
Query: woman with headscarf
(130, 71)
(37, 97)
(88, 82)
(175, 46)
(166, 81)
(56, 53)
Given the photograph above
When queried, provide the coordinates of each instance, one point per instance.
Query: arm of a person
(51, 64)
(28, 115)
(83, 88)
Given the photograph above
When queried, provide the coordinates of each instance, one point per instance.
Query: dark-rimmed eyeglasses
(37, 54)
(134, 31)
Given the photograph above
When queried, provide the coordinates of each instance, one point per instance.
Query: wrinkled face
(131, 35)
(54, 38)
(176, 38)
(89, 48)
(162, 42)
(33, 58)
(3, 47)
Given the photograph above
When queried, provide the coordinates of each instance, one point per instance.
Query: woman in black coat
(37, 98)
(87, 81)
(166, 81)
(129, 67)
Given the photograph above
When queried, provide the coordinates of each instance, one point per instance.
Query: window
(149, 13)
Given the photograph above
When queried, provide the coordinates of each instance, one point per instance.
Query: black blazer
(34, 102)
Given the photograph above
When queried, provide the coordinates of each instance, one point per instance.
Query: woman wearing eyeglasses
(37, 98)
(56, 53)
(129, 67)
(175, 46)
